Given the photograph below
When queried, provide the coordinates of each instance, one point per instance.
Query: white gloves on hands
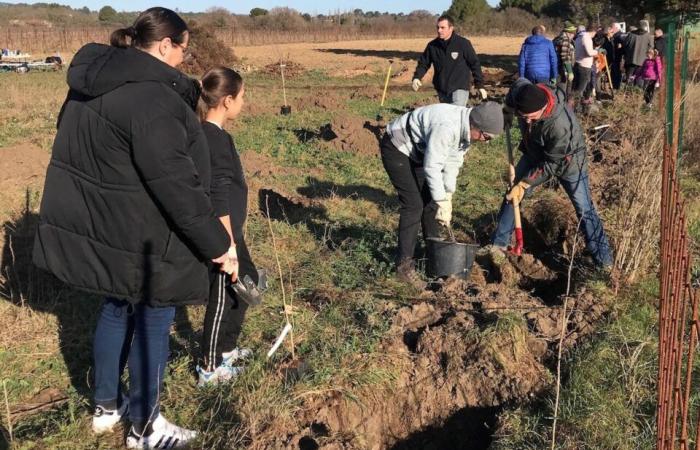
(416, 84)
(483, 94)
(443, 215)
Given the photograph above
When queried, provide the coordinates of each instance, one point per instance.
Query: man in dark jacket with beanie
(455, 63)
(553, 145)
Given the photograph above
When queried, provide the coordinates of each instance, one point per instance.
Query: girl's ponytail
(217, 83)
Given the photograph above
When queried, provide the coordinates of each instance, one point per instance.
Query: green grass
(608, 387)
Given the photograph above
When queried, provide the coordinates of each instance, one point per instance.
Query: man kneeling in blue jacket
(423, 151)
(538, 59)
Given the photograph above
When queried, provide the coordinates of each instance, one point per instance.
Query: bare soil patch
(343, 55)
(457, 359)
(22, 167)
(355, 134)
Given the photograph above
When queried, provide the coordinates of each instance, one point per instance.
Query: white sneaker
(221, 374)
(237, 354)
(104, 420)
(165, 435)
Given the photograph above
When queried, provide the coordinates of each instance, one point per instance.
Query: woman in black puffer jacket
(126, 211)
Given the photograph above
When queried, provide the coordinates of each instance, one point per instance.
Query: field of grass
(333, 214)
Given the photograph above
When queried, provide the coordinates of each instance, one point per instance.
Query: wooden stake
(386, 83)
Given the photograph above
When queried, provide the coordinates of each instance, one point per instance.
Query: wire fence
(679, 327)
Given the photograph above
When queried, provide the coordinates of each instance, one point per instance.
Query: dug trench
(462, 353)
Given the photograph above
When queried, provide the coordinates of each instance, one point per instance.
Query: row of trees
(577, 10)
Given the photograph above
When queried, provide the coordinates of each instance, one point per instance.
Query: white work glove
(416, 84)
(570, 76)
(483, 94)
(230, 266)
(657, 85)
(443, 215)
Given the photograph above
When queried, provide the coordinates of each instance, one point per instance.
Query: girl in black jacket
(221, 101)
(126, 212)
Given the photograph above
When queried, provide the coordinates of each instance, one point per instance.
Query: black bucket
(447, 258)
(286, 110)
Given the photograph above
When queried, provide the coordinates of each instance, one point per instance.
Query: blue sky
(243, 6)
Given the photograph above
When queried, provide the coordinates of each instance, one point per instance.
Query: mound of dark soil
(291, 69)
(355, 134)
(472, 348)
(206, 51)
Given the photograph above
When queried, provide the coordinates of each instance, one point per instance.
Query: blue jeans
(460, 97)
(139, 335)
(575, 183)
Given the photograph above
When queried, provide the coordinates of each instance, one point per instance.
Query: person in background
(649, 76)
(221, 101)
(585, 54)
(564, 46)
(422, 152)
(618, 43)
(126, 213)
(639, 42)
(538, 59)
(455, 64)
(660, 43)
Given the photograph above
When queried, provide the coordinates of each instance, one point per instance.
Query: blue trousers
(575, 184)
(137, 336)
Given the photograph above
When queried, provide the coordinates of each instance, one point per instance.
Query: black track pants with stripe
(225, 312)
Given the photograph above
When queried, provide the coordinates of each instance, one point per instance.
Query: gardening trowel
(248, 291)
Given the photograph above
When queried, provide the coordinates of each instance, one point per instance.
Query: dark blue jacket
(538, 60)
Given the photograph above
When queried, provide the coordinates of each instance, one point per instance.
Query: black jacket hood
(98, 69)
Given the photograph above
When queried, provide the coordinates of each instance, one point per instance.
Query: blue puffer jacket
(538, 60)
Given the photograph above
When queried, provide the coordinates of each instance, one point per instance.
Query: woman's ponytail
(119, 37)
(150, 26)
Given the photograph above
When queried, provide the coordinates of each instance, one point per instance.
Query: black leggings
(408, 177)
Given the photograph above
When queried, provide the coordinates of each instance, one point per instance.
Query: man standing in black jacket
(455, 63)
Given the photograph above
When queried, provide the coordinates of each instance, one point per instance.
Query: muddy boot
(407, 273)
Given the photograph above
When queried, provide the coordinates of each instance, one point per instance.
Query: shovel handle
(511, 165)
(519, 242)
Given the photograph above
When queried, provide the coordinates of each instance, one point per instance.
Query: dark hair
(152, 25)
(217, 83)
(447, 18)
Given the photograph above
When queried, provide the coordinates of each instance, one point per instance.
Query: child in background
(222, 100)
(648, 76)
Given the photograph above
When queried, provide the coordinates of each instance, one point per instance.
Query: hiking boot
(164, 435)
(104, 420)
(407, 273)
